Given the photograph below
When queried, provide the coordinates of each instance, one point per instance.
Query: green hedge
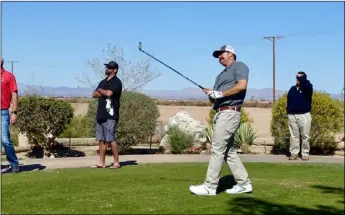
(138, 119)
(39, 117)
(79, 127)
(327, 121)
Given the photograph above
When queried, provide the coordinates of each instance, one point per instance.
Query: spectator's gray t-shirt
(227, 80)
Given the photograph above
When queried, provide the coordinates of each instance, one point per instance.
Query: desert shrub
(137, 122)
(245, 136)
(179, 140)
(91, 116)
(327, 120)
(208, 133)
(341, 103)
(245, 118)
(79, 127)
(42, 120)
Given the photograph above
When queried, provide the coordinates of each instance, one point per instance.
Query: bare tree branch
(134, 75)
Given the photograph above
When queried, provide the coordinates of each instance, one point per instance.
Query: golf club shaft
(169, 67)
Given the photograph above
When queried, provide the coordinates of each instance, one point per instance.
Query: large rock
(186, 123)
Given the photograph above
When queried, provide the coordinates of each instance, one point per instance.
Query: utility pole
(12, 63)
(273, 39)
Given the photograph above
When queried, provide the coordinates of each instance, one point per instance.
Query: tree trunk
(45, 152)
(47, 148)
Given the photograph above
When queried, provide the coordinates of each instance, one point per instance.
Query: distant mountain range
(196, 93)
(186, 93)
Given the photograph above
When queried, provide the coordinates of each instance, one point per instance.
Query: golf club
(140, 48)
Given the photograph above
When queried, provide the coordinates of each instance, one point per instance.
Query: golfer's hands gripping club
(213, 94)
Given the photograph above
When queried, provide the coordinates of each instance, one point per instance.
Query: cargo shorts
(105, 130)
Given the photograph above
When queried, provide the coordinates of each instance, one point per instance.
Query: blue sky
(53, 40)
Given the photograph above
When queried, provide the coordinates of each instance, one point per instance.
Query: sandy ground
(80, 108)
(261, 116)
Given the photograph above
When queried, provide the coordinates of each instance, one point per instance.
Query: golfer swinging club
(227, 97)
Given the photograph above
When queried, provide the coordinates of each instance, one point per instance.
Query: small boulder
(186, 123)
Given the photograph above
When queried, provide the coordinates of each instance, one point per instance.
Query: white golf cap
(225, 48)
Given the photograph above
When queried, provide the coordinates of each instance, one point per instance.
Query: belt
(229, 108)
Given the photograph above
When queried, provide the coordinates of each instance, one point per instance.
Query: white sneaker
(240, 189)
(202, 190)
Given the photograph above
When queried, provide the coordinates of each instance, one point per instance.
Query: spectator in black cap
(299, 101)
(108, 93)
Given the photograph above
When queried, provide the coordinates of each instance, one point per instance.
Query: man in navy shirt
(108, 93)
(299, 101)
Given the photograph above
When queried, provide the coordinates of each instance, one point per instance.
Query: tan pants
(299, 126)
(225, 124)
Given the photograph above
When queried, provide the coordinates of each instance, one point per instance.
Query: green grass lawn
(163, 188)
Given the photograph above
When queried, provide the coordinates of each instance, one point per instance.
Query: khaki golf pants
(225, 124)
(299, 126)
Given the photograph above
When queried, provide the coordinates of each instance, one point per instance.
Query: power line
(321, 32)
(243, 44)
(273, 39)
(12, 64)
(251, 42)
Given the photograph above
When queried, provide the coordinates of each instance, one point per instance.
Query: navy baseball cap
(112, 65)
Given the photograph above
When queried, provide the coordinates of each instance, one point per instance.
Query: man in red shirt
(9, 95)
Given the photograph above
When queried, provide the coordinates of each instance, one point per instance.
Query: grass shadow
(331, 190)
(24, 168)
(226, 182)
(252, 205)
(328, 189)
(31, 167)
(126, 163)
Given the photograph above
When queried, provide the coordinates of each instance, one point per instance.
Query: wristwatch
(15, 112)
